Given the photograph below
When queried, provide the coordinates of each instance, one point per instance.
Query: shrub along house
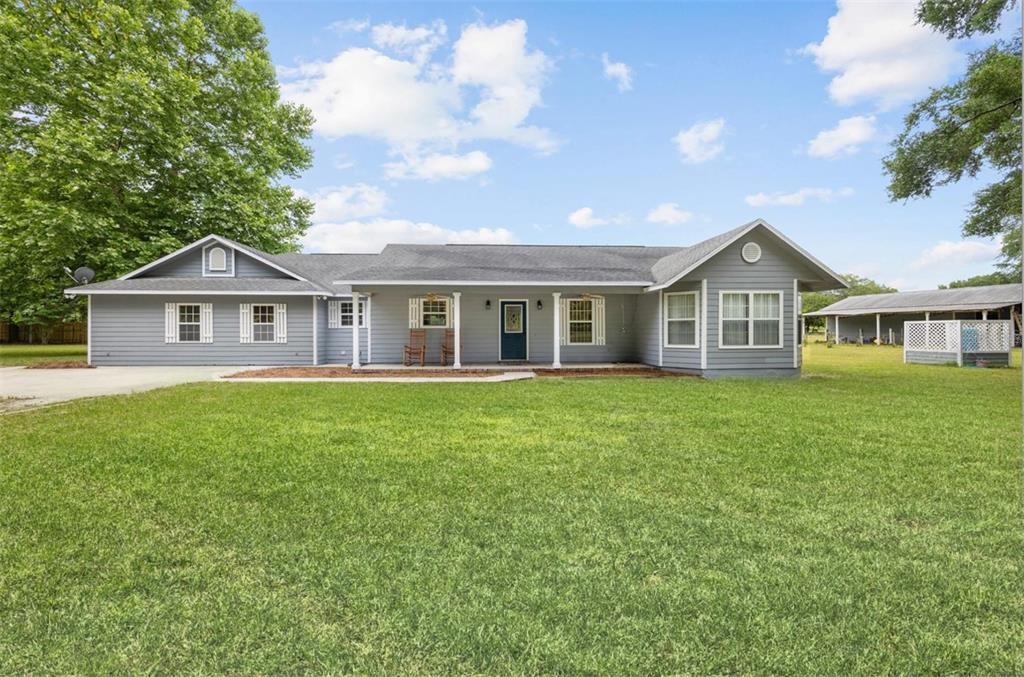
(725, 306)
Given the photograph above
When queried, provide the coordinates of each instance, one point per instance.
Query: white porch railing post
(878, 329)
(355, 330)
(457, 323)
(556, 361)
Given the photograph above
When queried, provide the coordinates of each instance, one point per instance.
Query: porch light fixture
(487, 304)
(540, 305)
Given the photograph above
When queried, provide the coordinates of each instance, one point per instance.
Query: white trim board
(493, 283)
(191, 292)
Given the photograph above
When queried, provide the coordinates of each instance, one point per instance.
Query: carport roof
(933, 300)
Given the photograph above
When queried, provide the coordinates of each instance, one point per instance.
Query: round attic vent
(751, 252)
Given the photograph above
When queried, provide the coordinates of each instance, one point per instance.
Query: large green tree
(972, 125)
(129, 128)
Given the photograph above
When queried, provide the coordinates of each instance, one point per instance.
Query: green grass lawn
(17, 354)
(865, 518)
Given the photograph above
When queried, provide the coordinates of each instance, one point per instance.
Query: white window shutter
(598, 302)
(206, 323)
(170, 323)
(414, 313)
(281, 322)
(334, 314)
(245, 323)
(563, 326)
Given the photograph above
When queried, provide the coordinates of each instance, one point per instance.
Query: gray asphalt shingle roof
(399, 263)
(511, 263)
(937, 300)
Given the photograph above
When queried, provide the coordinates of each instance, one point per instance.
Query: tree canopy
(998, 277)
(859, 286)
(129, 128)
(974, 124)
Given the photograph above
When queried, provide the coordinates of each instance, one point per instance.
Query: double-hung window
(581, 321)
(751, 319)
(345, 313)
(188, 323)
(681, 325)
(263, 323)
(434, 312)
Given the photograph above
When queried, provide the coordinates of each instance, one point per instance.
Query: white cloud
(346, 202)
(349, 26)
(413, 100)
(700, 142)
(497, 60)
(952, 254)
(439, 166)
(796, 198)
(881, 53)
(668, 213)
(619, 72)
(418, 43)
(845, 139)
(584, 218)
(371, 236)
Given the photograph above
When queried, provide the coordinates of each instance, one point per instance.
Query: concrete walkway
(21, 388)
(497, 378)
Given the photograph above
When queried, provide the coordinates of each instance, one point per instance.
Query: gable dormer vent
(751, 252)
(218, 259)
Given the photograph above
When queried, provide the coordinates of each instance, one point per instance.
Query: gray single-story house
(864, 318)
(726, 306)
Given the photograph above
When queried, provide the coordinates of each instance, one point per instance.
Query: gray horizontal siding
(927, 357)
(191, 264)
(129, 330)
(727, 271)
(479, 326)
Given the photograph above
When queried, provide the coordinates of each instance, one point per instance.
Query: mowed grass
(865, 518)
(14, 355)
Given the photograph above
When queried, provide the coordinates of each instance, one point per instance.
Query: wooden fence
(70, 333)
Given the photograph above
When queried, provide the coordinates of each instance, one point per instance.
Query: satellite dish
(84, 274)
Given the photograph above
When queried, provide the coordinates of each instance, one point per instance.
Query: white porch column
(878, 329)
(927, 316)
(837, 330)
(457, 323)
(984, 314)
(556, 360)
(355, 330)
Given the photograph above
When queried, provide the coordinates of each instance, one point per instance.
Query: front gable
(212, 257)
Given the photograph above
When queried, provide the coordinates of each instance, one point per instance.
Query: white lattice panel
(986, 336)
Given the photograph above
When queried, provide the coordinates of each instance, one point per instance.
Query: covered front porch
(415, 327)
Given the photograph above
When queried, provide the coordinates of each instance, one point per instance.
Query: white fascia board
(753, 224)
(496, 283)
(204, 241)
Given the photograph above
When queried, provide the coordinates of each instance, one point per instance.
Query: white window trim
(272, 323)
(229, 265)
(198, 323)
(334, 317)
(569, 322)
(447, 312)
(750, 319)
(695, 319)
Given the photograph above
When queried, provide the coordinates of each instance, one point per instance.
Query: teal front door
(512, 316)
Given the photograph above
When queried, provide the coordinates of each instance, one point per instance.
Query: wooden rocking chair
(416, 349)
(448, 347)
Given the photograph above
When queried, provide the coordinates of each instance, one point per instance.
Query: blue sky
(620, 123)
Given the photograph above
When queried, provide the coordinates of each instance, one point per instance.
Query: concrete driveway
(21, 388)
